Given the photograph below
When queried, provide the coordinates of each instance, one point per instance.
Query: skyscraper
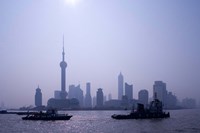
(109, 96)
(129, 91)
(100, 98)
(189, 103)
(38, 97)
(94, 101)
(63, 66)
(88, 98)
(76, 92)
(120, 86)
(159, 90)
(143, 97)
(57, 94)
(171, 101)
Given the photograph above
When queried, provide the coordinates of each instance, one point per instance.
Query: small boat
(3, 111)
(16, 112)
(155, 111)
(48, 115)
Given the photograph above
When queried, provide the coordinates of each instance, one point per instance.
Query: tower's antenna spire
(63, 53)
(63, 41)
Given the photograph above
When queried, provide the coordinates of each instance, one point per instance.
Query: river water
(181, 121)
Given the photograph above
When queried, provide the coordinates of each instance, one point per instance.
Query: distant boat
(17, 112)
(49, 115)
(155, 111)
(3, 111)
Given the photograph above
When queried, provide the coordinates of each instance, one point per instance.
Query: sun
(72, 2)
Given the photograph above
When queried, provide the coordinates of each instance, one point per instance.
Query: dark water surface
(181, 121)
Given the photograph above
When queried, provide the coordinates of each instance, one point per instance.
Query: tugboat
(155, 111)
(48, 115)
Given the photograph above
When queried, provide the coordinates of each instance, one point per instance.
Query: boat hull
(47, 118)
(141, 116)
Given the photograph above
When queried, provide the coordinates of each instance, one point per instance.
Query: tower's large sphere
(63, 64)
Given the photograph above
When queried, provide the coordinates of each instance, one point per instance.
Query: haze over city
(146, 41)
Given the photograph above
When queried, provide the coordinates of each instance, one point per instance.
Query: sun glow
(72, 2)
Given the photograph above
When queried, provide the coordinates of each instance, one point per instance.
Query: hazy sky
(145, 40)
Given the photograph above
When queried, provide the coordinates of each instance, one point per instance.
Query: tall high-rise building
(104, 98)
(120, 86)
(63, 66)
(109, 97)
(38, 97)
(143, 97)
(94, 101)
(99, 98)
(171, 101)
(160, 92)
(57, 94)
(88, 98)
(189, 103)
(129, 91)
(76, 92)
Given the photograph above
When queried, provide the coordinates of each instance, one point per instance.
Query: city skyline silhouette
(145, 41)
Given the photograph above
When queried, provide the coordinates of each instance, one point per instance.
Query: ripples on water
(181, 121)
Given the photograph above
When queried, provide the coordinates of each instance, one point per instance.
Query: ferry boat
(155, 111)
(48, 115)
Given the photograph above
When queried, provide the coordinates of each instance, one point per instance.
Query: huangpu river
(181, 121)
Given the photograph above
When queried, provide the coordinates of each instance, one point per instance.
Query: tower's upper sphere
(63, 64)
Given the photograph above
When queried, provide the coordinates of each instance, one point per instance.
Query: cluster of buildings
(126, 100)
(75, 98)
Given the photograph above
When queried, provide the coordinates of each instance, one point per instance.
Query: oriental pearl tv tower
(63, 65)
